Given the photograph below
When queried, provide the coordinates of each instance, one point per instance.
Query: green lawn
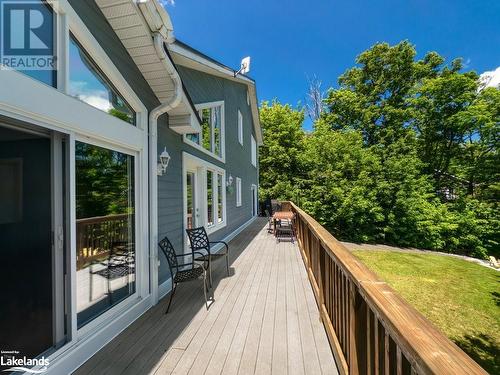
(459, 297)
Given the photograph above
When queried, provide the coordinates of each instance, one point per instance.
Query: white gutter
(153, 157)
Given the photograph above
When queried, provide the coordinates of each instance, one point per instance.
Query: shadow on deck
(264, 320)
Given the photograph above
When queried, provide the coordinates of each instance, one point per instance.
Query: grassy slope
(461, 298)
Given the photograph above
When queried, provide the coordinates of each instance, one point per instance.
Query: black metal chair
(198, 239)
(182, 272)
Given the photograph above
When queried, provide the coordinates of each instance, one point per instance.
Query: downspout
(153, 157)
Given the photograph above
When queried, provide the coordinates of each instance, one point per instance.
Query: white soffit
(127, 21)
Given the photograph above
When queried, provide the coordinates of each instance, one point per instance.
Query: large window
(89, 84)
(105, 230)
(211, 138)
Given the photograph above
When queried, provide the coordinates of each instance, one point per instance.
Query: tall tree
(281, 156)
(315, 105)
(372, 96)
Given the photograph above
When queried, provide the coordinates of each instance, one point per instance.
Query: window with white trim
(254, 152)
(211, 137)
(89, 84)
(238, 192)
(240, 128)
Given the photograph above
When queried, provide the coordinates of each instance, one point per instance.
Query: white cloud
(491, 78)
(94, 97)
(167, 2)
(96, 101)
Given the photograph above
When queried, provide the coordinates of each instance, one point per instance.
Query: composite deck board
(263, 320)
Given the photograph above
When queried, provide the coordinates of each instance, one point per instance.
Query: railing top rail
(430, 350)
(101, 219)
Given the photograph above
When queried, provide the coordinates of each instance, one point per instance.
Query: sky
(292, 40)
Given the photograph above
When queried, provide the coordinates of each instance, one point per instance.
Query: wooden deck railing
(371, 329)
(97, 235)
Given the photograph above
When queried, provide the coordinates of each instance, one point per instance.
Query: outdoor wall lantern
(229, 181)
(163, 164)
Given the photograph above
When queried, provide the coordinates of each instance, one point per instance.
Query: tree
(440, 105)
(405, 152)
(282, 152)
(315, 99)
(373, 95)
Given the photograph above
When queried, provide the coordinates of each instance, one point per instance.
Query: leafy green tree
(372, 95)
(439, 105)
(341, 184)
(281, 156)
(406, 153)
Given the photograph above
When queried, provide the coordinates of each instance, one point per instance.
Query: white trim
(240, 127)
(71, 356)
(32, 101)
(238, 192)
(189, 163)
(226, 71)
(199, 147)
(141, 239)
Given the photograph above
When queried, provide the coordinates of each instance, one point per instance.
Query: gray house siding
(202, 88)
(205, 88)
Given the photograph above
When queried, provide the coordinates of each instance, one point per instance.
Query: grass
(459, 297)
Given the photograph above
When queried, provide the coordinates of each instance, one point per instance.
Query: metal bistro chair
(178, 271)
(198, 239)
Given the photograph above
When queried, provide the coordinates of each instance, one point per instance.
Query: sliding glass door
(31, 266)
(105, 229)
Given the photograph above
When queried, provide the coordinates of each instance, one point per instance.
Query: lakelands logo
(23, 364)
(27, 35)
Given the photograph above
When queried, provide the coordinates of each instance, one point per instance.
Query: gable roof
(187, 56)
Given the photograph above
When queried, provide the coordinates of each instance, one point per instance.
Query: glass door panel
(191, 221)
(26, 269)
(105, 230)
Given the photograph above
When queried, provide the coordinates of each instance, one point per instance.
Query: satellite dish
(245, 66)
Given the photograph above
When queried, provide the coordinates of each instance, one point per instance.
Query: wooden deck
(264, 320)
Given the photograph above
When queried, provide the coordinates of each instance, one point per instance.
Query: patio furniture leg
(205, 288)
(227, 264)
(171, 297)
(210, 272)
